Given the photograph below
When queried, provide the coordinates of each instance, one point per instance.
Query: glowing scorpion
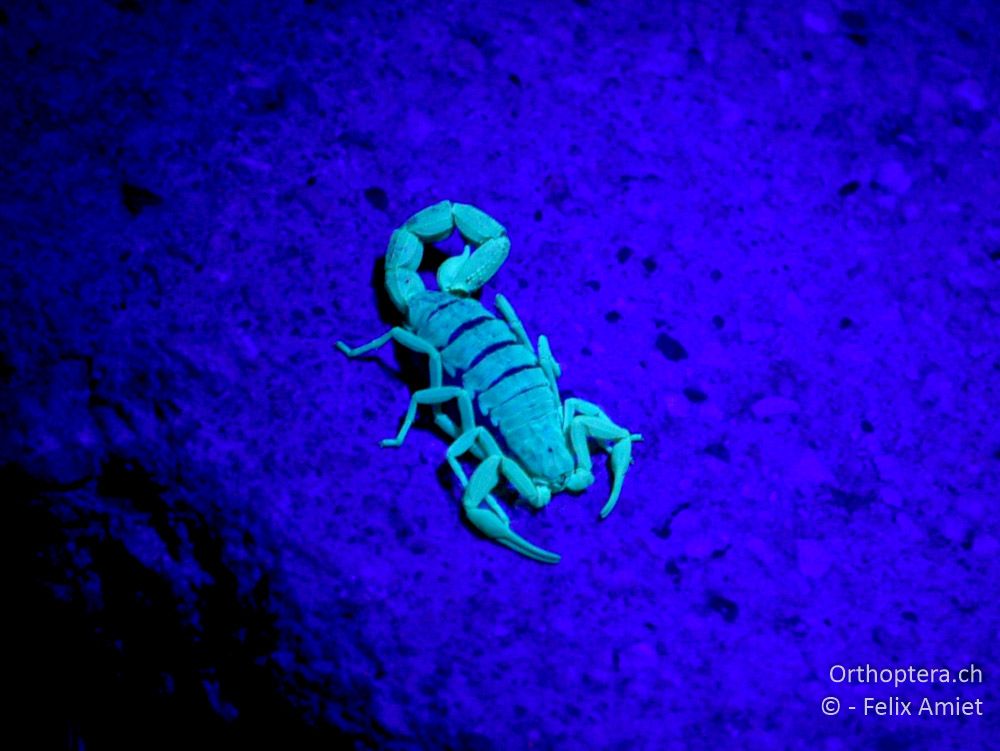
(542, 446)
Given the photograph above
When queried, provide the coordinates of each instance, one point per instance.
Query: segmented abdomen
(501, 373)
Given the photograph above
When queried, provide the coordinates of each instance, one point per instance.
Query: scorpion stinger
(492, 365)
(461, 275)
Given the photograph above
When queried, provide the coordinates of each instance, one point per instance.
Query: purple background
(766, 238)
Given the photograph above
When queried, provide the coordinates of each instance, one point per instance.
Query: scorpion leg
(446, 424)
(583, 475)
(480, 442)
(546, 361)
(409, 340)
(598, 426)
(574, 406)
(435, 396)
(607, 430)
(483, 480)
(434, 369)
(507, 311)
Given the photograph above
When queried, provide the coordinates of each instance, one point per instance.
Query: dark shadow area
(101, 656)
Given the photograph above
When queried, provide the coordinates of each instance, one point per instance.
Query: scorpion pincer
(537, 441)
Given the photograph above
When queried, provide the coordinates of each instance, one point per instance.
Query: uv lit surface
(767, 239)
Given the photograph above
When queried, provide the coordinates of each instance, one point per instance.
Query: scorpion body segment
(540, 444)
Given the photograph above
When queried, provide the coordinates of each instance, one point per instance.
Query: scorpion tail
(461, 275)
(406, 251)
(402, 259)
(469, 272)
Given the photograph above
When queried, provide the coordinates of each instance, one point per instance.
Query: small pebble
(695, 395)
(377, 198)
(672, 349)
(718, 450)
(851, 501)
(137, 198)
(849, 188)
(725, 607)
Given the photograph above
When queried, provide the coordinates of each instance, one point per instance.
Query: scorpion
(491, 363)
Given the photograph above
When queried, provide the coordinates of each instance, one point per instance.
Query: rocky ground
(766, 238)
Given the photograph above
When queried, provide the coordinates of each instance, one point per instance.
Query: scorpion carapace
(537, 441)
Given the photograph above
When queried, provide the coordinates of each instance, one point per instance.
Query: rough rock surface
(764, 235)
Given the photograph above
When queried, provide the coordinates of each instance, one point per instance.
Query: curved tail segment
(485, 252)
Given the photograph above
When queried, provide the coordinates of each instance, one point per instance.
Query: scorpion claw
(493, 527)
(621, 458)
